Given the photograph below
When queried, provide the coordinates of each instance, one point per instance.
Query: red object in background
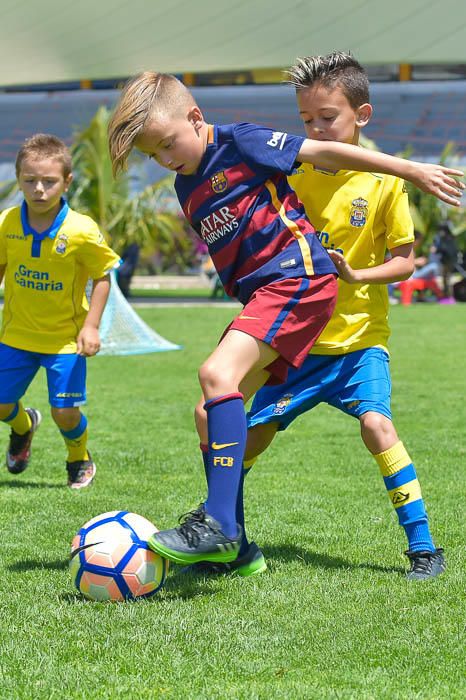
(408, 287)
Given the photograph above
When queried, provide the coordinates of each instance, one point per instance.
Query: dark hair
(45, 146)
(337, 69)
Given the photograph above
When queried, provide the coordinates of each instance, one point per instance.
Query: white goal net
(123, 332)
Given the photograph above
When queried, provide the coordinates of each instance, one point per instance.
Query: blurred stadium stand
(422, 115)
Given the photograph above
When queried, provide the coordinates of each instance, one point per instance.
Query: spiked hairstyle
(335, 69)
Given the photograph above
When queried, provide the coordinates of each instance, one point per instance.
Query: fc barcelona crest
(219, 182)
(359, 212)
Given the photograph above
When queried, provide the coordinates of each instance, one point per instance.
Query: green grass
(172, 293)
(333, 617)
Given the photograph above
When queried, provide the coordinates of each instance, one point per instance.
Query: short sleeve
(95, 255)
(398, 221)
(267, 148)
(3, 255)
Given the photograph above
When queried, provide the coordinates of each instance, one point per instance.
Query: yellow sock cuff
(247, 464)
(393, 460)
(21, 423)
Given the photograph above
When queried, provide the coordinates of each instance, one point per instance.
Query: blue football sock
(226, 422)
(404, 492)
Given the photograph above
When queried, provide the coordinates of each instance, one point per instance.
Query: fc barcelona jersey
(240, 204)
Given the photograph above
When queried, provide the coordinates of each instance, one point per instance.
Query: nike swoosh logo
(82, 548)
(216, 446)
(250, 318)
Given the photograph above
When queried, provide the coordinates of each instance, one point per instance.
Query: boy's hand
(346, 272)
(439, 181)
(88, 341)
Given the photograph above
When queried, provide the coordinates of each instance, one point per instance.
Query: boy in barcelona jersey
(231, 183)
(47, 254)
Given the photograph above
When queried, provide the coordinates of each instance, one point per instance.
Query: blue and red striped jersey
(240, 204)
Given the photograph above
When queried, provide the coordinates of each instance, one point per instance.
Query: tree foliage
(149, 217)
(428, 212)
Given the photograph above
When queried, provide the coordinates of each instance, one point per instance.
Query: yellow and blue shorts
(354, 383)
(66, 376)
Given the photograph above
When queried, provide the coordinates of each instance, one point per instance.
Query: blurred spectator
(447, 250)
(130, 259)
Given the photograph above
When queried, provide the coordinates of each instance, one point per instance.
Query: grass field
(333, 617)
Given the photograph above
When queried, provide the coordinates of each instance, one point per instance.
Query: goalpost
(123, 332)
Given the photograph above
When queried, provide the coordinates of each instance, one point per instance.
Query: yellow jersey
(361, 215)
(45, 278)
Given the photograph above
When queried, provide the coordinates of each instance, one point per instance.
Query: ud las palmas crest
(219, 182)
(359, 212)
(62, 242)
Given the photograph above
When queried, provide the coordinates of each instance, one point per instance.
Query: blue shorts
(355, 383)
(66, 376)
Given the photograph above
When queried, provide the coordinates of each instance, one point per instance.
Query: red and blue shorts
(289, 315)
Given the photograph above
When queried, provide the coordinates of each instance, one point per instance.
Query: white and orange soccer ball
(111, 560)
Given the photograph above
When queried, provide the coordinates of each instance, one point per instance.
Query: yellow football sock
(21, 421)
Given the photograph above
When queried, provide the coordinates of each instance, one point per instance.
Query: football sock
(240, 507)
(226, 422)
(76, 441)
(18, 420)
(404, 492)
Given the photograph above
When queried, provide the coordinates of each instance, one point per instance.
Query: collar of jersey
(52, 231)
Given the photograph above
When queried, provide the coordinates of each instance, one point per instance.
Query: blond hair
(44, 146)
(146, 95)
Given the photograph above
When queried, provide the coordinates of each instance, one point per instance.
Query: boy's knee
(66, 418)
(372, 422)
(213, 378)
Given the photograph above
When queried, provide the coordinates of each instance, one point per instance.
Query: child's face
(176, 143)
(328, 116)
(42, 182)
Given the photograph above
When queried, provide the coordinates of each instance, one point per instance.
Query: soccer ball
(111, 560)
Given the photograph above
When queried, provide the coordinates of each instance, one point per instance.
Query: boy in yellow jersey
(47, 254)
(358, 216)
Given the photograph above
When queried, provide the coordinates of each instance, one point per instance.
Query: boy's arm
(431, 178)
(399, 267)
(88, 341)
(2, 272)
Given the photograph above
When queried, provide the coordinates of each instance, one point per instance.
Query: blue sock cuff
(77, 431)
(12, 415)
(222, 399)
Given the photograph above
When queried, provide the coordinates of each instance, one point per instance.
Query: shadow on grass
(17, 484)
(176, 588)
(35, 564)
(290, 552)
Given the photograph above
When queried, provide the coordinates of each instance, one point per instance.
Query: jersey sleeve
(95, 255)
(3, 257)
(398, 221)
(266, 148)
